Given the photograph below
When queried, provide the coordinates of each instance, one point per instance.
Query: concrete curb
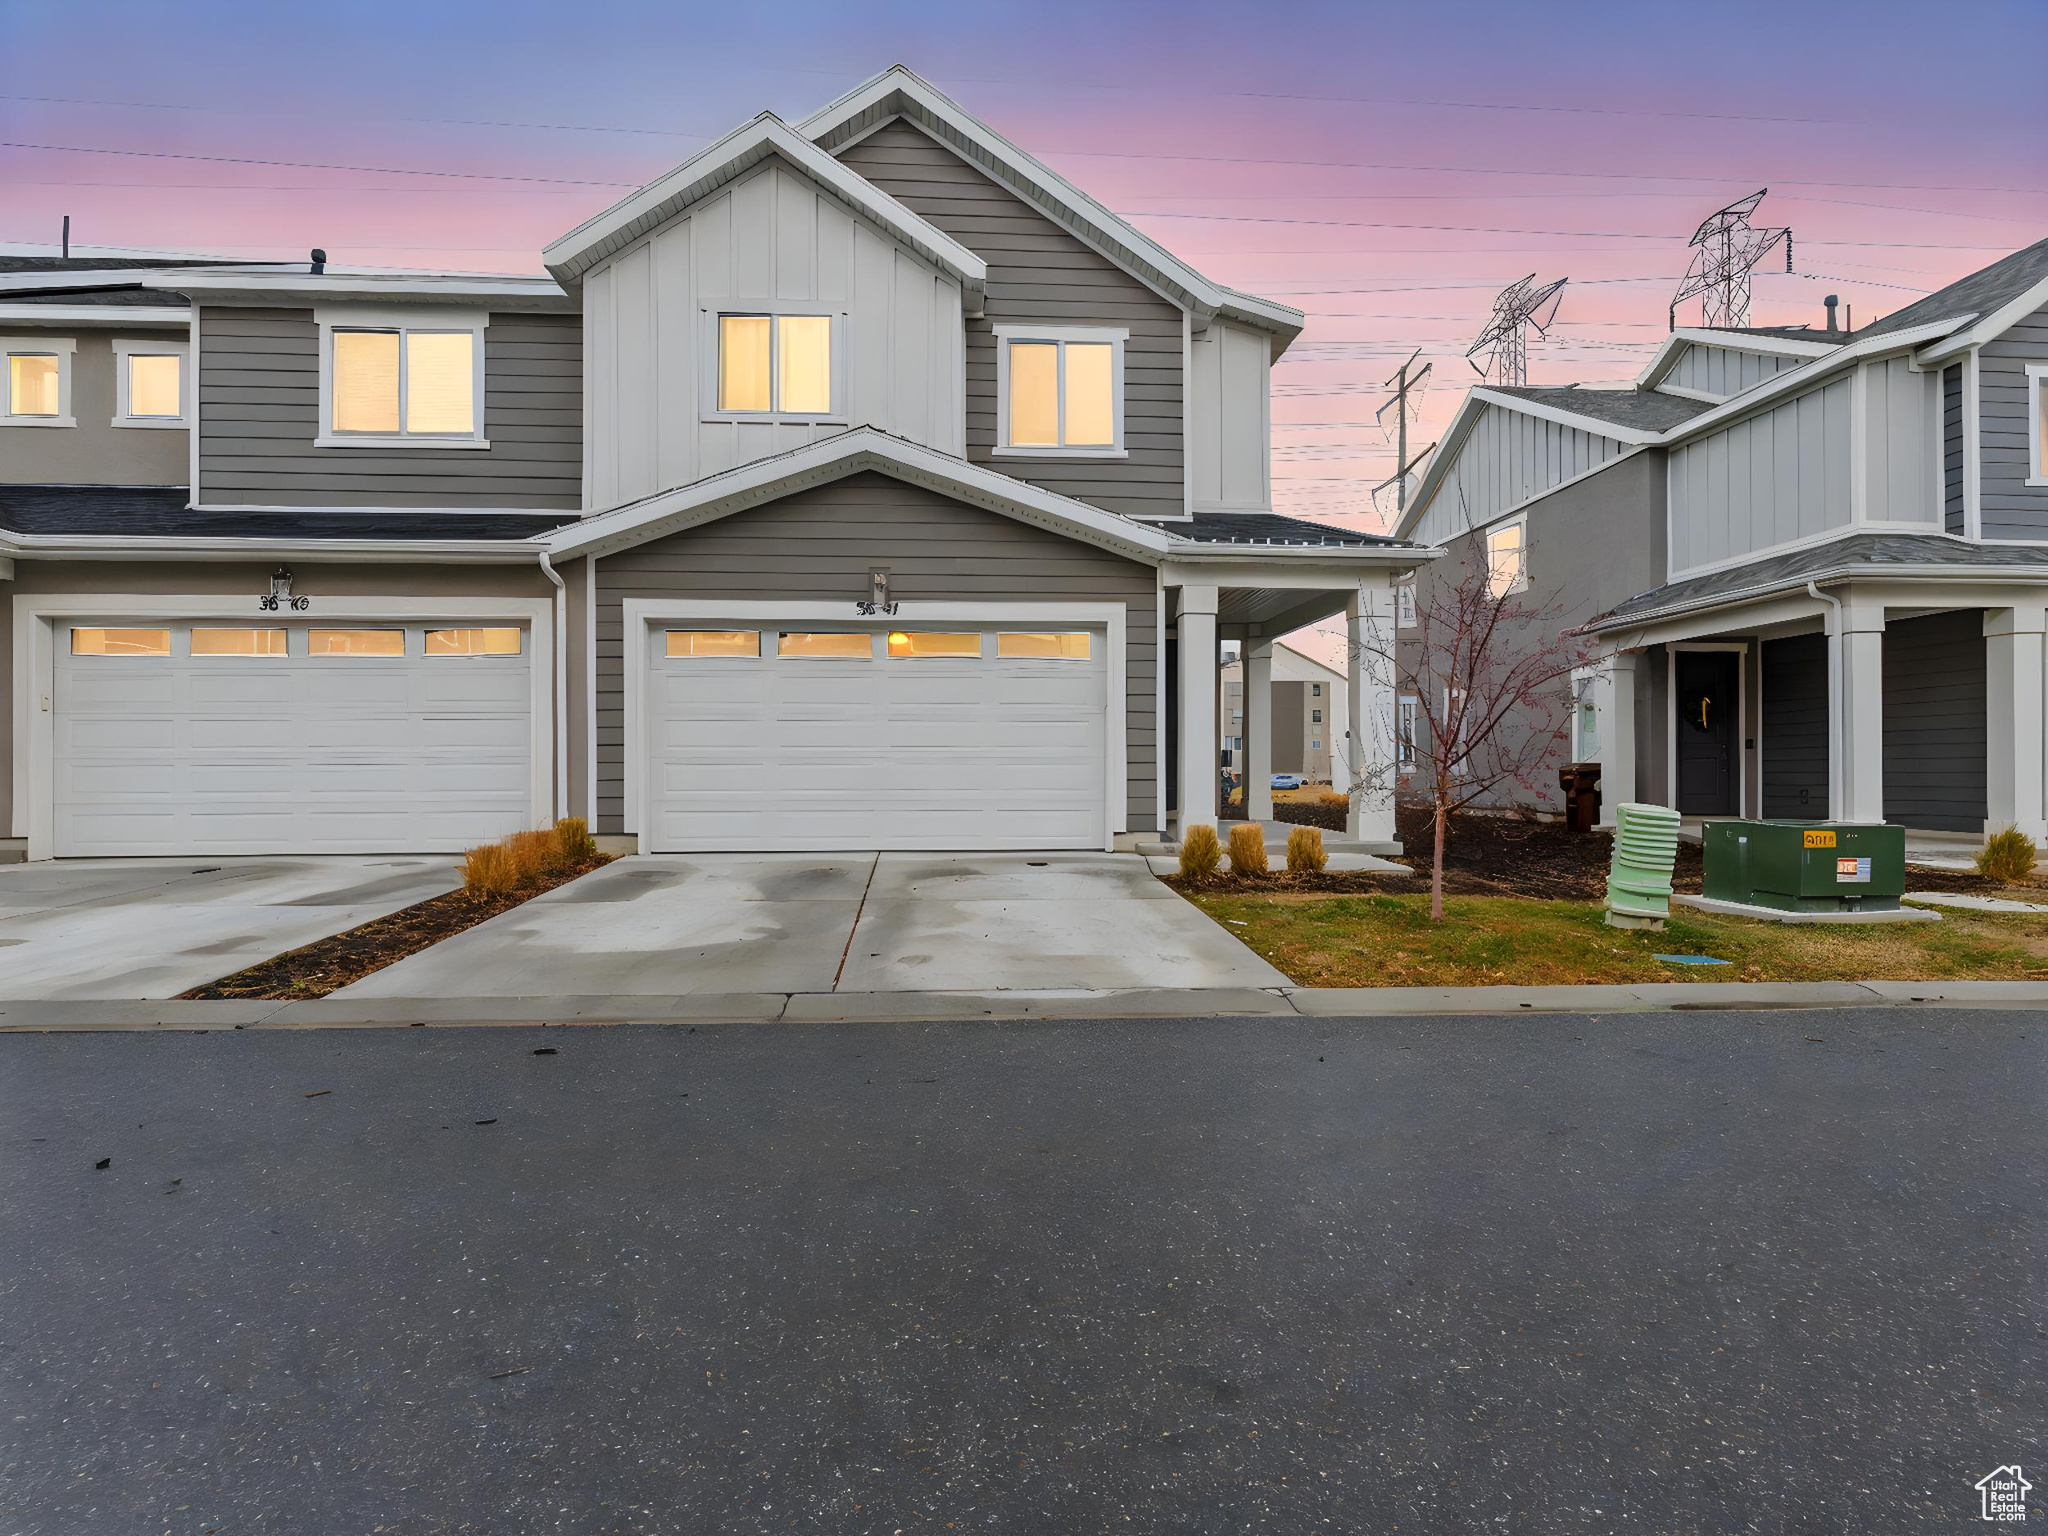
(914, 1007)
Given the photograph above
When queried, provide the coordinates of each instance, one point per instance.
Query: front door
(1708, 698)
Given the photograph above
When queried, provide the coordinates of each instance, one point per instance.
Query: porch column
(1369, 700)
(1258, 730)
(2013, 656)
(1856, 706)
(1200, 759)
(1618, 735)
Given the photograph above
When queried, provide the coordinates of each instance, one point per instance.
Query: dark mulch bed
(335, 961)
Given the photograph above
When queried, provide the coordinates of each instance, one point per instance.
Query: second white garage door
(819, 738)
(177, 738)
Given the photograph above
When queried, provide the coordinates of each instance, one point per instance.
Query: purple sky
(1385, 168)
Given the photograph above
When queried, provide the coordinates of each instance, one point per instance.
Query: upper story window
(1404, 604)
(1507, 558)
(149, 384)
(2037, 423)
(401, 378)
(36, 391)
(774, 364)
(1060, 391)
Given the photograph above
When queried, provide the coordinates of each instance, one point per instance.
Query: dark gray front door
(1708, 698)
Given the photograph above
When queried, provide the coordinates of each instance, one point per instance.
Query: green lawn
(1389, 941)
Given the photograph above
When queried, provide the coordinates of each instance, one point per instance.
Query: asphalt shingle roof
(1274, 528)
(1980, 293)
(162, 512)
(1643, 409)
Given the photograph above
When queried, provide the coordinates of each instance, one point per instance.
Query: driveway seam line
(857, 911)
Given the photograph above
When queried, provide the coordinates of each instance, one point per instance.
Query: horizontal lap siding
(1935, 750)
(818, 545)
(259, 404)
(1954, 518)
(2012, 509)
(1795, 727)
(1038, 272)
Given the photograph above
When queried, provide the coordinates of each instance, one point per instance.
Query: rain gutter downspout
(1836, 703)
(547, 569)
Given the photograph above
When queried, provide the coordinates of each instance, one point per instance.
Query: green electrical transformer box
(1806, 866)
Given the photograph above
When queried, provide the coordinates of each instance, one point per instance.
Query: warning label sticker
(1820, 839)
(1852, 869)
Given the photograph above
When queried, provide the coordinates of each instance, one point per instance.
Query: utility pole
(1402, 386)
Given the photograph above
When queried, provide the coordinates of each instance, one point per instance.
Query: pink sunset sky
(1386, 169)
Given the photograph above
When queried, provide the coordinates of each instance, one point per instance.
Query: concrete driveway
(892, 922)
(152, 928)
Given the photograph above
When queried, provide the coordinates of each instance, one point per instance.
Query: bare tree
(1490, 671)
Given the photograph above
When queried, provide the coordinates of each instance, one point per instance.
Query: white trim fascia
(1187, 425)
(1686, 392)
(301, 507)
(1096, 225)
(590, 242)
(42, 282)
(1669, 349)
(1993, 325)
(2037, 444)
(1973, 448)
(113, 316)
(1470, 409)
(76, 546)
(300, 287)
(636, 614)
(1546, 412)
(834, 458)
(590, 693)
(36, 613)
(192, 437)
(1961, 575)
(126, 347)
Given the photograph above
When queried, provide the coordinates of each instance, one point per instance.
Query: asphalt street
(1682, 1272)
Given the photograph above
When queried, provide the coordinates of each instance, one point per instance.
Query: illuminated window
(149, 384)
(355, 642)
(238, 642)
(775, 365)
(842, 646)
(473, 642)
(921, 643)
(1507, 558)
(401, 381)
(1060, 389)
(37, 384)
(714, 642)
(1037, 647)
(120, 642)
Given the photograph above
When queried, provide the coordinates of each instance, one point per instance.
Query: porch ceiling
(1275, 610)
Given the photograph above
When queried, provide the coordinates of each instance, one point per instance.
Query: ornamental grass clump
(2007, 857)
(1248, 850)
(487, 870)
(574, 846)
(1199, 852)
(1305, 852)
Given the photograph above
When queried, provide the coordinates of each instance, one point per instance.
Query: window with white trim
(778, 364)
(35, 390)
(1060, 391)
(1585, 714)
(149, 384)
(1507, 557)
(401, 379)
(1404, 604)
(1404, 734)
(2037, 423)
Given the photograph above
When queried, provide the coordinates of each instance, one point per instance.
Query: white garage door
(816, 737)
(290, 738)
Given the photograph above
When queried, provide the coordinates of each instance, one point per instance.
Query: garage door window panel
(1021, 646)
(240, 642)
(914, 645)
(120, 642)
(355, 642)
(474, 642)
(712, 643)
(826, 646)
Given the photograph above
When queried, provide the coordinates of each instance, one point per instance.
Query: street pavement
(1674, 1272)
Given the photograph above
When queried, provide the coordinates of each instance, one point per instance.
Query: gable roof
(1767, 341)
(1634, 410)
(1983, 292)
(751, 144)
(897, 92)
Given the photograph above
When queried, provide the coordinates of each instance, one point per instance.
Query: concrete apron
(339, 1012)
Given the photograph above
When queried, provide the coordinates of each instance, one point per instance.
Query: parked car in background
(1287, 781)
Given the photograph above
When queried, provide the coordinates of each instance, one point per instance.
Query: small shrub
(487, 871)
(2007, 857)
(574, 846)
(1333, 797)
(1199, 852)
(1248, 849)
(1305, 852)
(530, 853)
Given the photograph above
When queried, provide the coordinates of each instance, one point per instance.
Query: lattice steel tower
(1728, 248)
(1521, 308)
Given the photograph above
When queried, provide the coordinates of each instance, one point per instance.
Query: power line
(312, 165)
(1489, 229)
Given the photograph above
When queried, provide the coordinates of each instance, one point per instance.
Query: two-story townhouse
(1815, 561)
(860, 483)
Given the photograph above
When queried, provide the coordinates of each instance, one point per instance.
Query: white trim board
(637, 613)
(37, 613)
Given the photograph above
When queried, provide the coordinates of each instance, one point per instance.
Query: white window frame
(349, 317)
(1404, 604)
(1586, 691)
(1113, 336)
(1407, 721)
(60, 347)
(708, 373)
(1521, 581)
(125, 349)
(2037, 442)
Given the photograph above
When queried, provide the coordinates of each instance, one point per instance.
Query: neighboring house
(1815, 561)
(1307, 724)
(857, 484)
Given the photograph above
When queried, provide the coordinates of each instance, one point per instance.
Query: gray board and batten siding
(259, 413)
(2011, 509)
(1724, 371)
(1769, 479)
(819, 544)
(1041, 273)
(1954, 506)
(1506, 458)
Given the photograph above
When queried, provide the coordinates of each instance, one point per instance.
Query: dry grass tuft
(1200, 853)
(2007, 856)
(1248, 849)
(1305, 852)
(487, 870)
(526, 860)
(574, 846)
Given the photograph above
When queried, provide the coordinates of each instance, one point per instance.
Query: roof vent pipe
(319, 260)
(1829, 304)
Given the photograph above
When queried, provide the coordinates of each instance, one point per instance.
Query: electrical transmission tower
(1403, 386)
(1728, 248)
(1521, 308)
